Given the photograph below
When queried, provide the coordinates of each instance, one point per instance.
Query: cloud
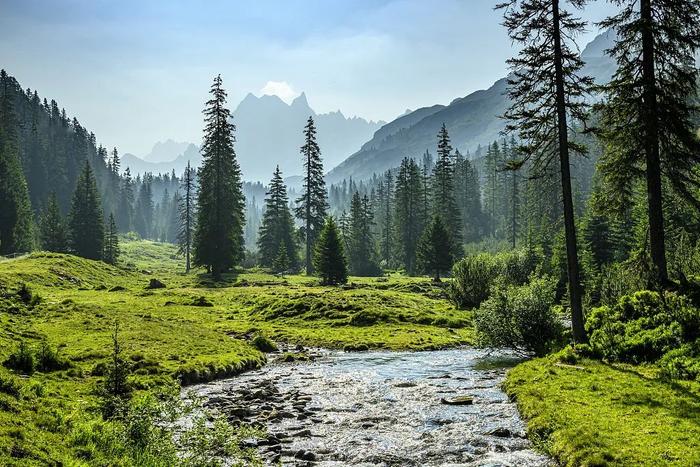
(281, 89)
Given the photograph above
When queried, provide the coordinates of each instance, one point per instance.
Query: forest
(559, 265)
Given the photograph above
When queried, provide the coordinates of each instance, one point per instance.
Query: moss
(593, 413)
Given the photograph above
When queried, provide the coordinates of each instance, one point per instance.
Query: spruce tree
(329, 255)
(86, 227)
(218, 238)
(385, 213)
(111, 243)
(362, 254)
(52, 227)
(277, 227)
(281, 263)
(125, 206)
(547, 94)
(186, 212)
(468, 197)
(443, 189)
(647, 118)
(435, 249)
(312, 205)
(16, 218)
(409, 218)
(143, 210)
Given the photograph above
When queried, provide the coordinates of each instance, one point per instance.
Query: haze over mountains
(257, 119)
(471, 121)
(354, 147)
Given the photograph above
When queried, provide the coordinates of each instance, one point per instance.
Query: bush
(682, 363)
(49, 360)
(263, 344)
(642, 327)
(520, 317)
(22, 359)
(9, 384)
(475, 274)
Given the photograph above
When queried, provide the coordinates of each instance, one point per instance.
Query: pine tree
(312, 205)
(361, 253)
(86, 227)
(647, 119)
(111, 242)
(385, 214)
(443, 199)
(218, 238)
(143, 211)
(468, 198)
(493, 187)
(52, 227)
(409, 218)
(435, 249)
(186, 211)
(547, 95)
(281, 263)
(125, 206)
(16, 219)
(277, 227)
(329, 257)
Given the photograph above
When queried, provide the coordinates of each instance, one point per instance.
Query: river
(381, 408)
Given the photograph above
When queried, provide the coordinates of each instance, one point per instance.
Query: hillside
(472, 121)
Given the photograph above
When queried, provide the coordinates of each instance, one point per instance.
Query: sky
(138, 71)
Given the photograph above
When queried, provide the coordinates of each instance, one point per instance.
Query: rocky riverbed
(439, 408)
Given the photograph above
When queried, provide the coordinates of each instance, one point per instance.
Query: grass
(597, 414)
(193, 330)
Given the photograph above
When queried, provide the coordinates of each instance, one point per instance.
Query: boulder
(155, 284)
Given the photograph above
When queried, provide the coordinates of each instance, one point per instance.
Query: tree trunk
(578, 330)
(651, 147)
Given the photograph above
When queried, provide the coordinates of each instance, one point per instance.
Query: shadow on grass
(685, 404)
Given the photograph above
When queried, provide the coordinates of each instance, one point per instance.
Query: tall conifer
(647, 118)
(277, 229)
(86, 225)
(186, 215)
(311, 205)
(218, 237)
(547, 95)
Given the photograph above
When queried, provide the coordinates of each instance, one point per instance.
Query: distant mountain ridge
(268, 132)
(472, 121)
(164, 158)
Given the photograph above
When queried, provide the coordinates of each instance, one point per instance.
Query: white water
(381, 409)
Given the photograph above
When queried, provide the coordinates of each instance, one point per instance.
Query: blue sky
(136, 72)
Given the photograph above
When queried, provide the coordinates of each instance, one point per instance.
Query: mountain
(166, 151)
(164, 158)
(270, 132)
(472, 121)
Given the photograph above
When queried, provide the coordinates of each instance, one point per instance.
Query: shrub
(9, 384)
(472, 279)
(475, 274)
(263, 344)
(49, 360)
(22, 359)
(642, 327)
(682, 363)
(520, 317)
